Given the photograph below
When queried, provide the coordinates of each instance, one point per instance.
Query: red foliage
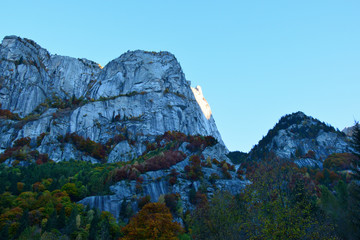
(173, 177)
(7, 114)
(22, 142)
(94, 149)
(319, 176)
(193, 172)
(164, 160)
(310, 154)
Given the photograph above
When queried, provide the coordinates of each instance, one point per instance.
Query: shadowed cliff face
(140, 95)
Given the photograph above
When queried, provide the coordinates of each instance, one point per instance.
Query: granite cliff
(140, 95)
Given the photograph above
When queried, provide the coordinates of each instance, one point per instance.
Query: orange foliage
(154, 221)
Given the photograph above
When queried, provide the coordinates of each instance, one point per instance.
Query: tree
(94, 225)
(154, 221)
(220, 219)
(354, 186)
(278, 204)
(61, 220)
(355, 142)
(354, 209)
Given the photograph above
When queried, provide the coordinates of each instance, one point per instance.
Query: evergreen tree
(354, 186)
(94, 226)
(105, 229)
(61, 220)
(4, 232)
(24, 223)
(71, 223)
(355, 142)
(51, 222)
(354, 209)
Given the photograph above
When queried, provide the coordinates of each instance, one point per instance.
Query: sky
(255, 60)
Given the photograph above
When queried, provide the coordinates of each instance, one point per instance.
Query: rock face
(303, 139)
(140, 95)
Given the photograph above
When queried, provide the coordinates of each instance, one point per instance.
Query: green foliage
(355, 142)
(237, 157)
(45, 204)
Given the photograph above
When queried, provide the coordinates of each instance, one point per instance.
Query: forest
(40, 201)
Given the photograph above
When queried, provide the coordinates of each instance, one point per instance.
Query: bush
(143, 201)
(339, 161)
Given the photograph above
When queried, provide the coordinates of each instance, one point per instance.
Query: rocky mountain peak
(137, 96)
(141, 71)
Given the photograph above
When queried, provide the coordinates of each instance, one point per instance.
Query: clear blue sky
(255, 60)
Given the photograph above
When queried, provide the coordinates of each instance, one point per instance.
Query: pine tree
(94, 226)
(71, 223)
(61, 220)
(355, 142)
(4, 232)
(354, 209)
(354, 186)
(24, 223)
(51, 222)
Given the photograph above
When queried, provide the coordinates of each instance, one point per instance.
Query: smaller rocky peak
(204, 105)
(295, 135)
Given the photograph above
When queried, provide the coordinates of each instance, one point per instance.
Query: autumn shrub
(94, 149)
(143, 201)
(173, 176)
(213, 177)
(164, 160)
(7, 114)
(22, 142)
(42, 158)
(193, 172)
(310, 154)
(339, 161)
(153, 221)
(40, 138)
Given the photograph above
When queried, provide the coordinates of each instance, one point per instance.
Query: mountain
(304, 139)
(133, 99)
(138, 114)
